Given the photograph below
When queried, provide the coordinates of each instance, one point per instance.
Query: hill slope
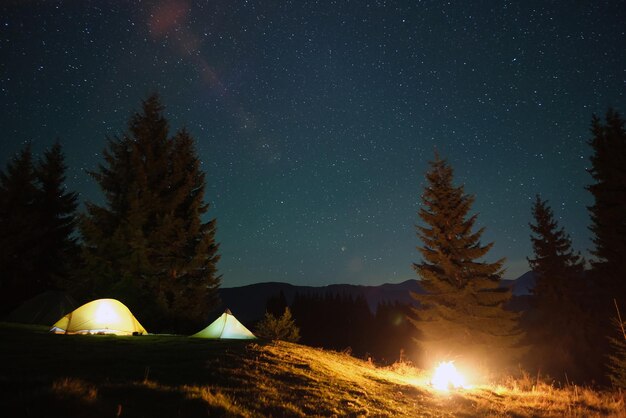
(105, 376)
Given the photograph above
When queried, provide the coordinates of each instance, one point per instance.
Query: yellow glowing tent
(225, 327)
(102, 316)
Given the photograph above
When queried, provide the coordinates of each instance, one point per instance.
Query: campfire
(447, 377)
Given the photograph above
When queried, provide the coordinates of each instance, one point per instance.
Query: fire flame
(447, 377)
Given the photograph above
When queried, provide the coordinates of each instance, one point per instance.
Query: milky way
(315, 120)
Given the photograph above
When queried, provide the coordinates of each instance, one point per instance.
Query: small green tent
(225, 327)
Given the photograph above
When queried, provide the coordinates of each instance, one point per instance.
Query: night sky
(315, 120)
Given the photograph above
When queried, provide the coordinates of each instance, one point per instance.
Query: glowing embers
(447, 377)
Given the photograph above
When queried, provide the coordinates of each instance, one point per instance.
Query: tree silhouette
(608, 225)
(57, 218)
(280, 327)
(148, 244)
(608, 213)
(37, 218)
(18, 231)
(557, 323)
(461, 315)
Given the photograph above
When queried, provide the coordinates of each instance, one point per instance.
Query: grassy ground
(45, 375)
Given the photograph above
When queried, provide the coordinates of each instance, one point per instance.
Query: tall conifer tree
(18, 230)
(184, 246)
(57, 220)
(149, 244)
(37, 246)
(608, 225)
(461, 315)
(557, 324)
(608, 213)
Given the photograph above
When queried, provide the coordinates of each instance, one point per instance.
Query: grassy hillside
(170, 376)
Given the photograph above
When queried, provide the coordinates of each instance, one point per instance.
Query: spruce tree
(608, 226)
(461, 315)
(19, 234)
(183, 246)
(37, 246)
(608, 213)
(557, 324)
(149, 244)
(56, 208)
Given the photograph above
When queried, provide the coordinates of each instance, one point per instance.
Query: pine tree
(557, 324)
(148, 244)
(57, 220)
(608, 225)
(280, 327)
(37, 247)
(19, 233)
(608, 213)
(184, 246)
(461, 314)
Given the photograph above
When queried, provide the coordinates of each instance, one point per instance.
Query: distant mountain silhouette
(523, 285)
(248, 302)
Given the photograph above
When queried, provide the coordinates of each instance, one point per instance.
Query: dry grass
(541, 398)
(77, 389)
(104, 376)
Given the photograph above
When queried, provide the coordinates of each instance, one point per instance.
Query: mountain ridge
(248, 302)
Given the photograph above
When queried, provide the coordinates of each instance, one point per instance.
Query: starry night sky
(315, 120)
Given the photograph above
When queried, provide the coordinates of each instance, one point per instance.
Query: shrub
(282, 328)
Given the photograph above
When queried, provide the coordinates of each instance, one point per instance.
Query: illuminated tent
(102, 316)
(225, 327)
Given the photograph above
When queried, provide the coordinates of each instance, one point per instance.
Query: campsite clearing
(104, 375)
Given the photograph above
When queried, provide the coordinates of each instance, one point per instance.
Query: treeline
(147, 244)
(345, 323)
